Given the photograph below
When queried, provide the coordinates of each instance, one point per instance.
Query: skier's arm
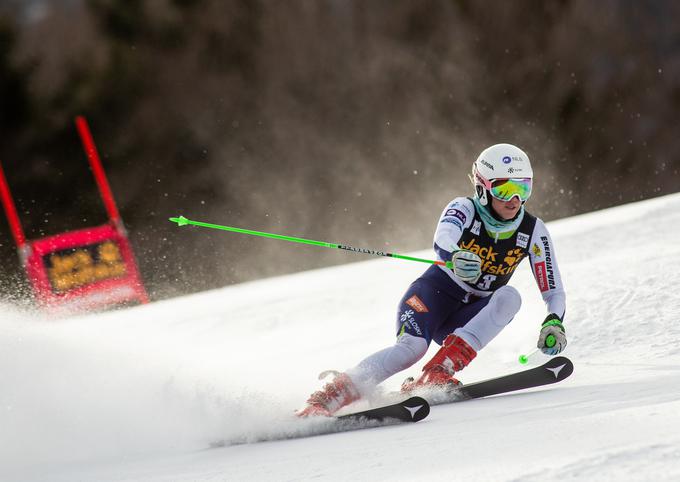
(545, 269)
(456, 216)
(552, 338)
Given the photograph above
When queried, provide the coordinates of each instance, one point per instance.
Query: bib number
(485, 284)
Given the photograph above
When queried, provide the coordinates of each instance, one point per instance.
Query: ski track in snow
(140, 394)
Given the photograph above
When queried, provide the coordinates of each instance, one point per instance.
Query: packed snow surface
(140, 394)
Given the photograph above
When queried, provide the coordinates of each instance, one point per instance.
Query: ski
(553, 371)
(416, 408)
(413, 409)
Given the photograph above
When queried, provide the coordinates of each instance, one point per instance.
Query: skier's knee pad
(414, 347)
(505, 303)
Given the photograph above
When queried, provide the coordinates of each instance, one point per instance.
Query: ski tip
(560, 366)
(418, 407)
(181, 220)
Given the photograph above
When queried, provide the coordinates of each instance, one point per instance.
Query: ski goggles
(506, 189)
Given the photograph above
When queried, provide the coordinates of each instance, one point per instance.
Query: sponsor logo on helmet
(507, 160)
(513, 170)
(487, 164)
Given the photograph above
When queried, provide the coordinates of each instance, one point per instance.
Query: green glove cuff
(554, 322)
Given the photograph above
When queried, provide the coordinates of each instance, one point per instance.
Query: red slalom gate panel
(85, 269)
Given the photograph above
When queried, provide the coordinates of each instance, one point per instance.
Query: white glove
(552, 339)
(467, 265)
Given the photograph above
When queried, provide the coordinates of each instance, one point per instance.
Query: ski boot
(332, 397)
(454, 355)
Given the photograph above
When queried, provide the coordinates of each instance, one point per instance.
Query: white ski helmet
(502, 171)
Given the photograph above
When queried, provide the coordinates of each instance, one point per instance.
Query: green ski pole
(182, 221)
(550, 342)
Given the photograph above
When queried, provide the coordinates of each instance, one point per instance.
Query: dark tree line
(350, 122)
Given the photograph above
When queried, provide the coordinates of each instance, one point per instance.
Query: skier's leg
(467, 331)
(422, 309)
(381, 365)
(490, 320)
(362, 379)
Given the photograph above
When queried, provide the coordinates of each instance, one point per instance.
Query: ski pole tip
(181, 220)
(524, 359)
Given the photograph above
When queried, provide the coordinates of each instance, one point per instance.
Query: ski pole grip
(550, 341)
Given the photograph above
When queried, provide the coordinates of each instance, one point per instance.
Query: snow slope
(138, 395)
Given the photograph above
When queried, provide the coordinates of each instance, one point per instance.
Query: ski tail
(412, 409)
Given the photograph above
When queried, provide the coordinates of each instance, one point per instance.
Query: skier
(464, 305)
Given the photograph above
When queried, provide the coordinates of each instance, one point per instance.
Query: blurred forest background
(345, 121)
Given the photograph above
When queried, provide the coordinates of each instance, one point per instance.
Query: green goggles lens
(506, 189)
